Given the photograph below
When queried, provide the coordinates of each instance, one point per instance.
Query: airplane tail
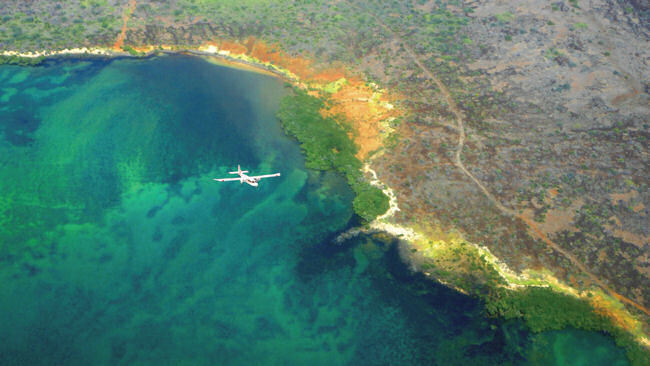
(239, 171)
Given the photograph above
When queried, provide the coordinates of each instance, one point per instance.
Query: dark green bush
(21, 61)
(544, 309)
(327, 146)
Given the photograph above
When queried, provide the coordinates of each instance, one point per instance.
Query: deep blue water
(118, 248)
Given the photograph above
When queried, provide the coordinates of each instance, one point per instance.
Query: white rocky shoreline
(67, 51)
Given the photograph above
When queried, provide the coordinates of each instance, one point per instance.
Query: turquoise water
(118, 248)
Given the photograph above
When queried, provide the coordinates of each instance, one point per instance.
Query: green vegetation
(131, 51)
(21, 61)
(327, 146)
(544, 309)
(438, 31)
(93, 3)
(505, 17)
(334, 86)
(552, 53)
(580, 25)
(462, 265)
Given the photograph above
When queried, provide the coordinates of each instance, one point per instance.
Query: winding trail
(125, 18)
(504, 210)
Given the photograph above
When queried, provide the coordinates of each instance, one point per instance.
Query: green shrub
(580, 25)
(327, 147)
(369, 201)
(505, 17)
(130, 50)
(21, 61)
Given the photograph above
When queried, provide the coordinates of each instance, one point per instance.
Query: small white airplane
(245, 178)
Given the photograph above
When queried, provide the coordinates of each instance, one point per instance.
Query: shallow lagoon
(118, 248)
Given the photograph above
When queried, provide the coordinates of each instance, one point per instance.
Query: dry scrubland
(523, 125)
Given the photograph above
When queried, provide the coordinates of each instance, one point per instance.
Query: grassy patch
(580, 26)
(327, 146)
(334, 86)
(505, 17)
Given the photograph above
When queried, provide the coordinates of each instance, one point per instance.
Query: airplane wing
(266, 176)
(226, 179)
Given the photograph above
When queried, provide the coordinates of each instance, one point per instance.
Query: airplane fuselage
(245, 178)
(253, 181)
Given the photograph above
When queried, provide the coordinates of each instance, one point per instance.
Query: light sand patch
(237, 65)
(617, 230)
(499, 85)
(623, 197)
(602, 254)
(616, 220)
(493, 67)
(558, 219)
(639, 240)
(581, 81)
(638, 208)
(622, 97)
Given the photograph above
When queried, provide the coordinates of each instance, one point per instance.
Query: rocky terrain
(561, 150)
(571, 153)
